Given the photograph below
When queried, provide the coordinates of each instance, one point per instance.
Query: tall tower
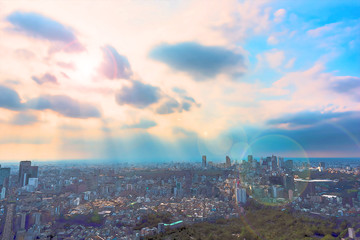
(228, 161)
(203, 161)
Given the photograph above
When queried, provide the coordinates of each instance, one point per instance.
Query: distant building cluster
(122, 201)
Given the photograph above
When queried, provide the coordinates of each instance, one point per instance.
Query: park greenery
(263, 222)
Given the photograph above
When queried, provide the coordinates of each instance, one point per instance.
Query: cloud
(275, 58)
(279, 15)
(317, 32)
(12, 82)
(308, 118)
(46, 78)
(272, 40)
(142, 124)
(24, 53)
(338, 138)
(9, 99)
(290, 63)
(179, 90)
(179, 131)
(65, 106)
(39, 26)
(22, 140)
(347, 85)
(114, 65)
(66, 65)
(139, 95)
(202, 62)
(170, 106)
(24, 119)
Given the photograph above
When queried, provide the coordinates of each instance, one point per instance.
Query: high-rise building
(250, 158)
(273, 163)
(289, 165)
(228, 161)
(321, 166)
(23, 220)
(3, 193)
(26, 171)
(4, 175)
(240, 194)
(203, 161)
(280, 162)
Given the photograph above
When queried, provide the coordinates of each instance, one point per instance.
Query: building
(351, 233)
(291, 194)
(228, 161)
(203, 161)
(4, 175)
(289, 165)
(32, 185)
(250, 159)
(161, 227)
(280, 162)
(240, 194)
(321, 166)
(26, 171)
(23, 221)
(3, 193)
(273, 163)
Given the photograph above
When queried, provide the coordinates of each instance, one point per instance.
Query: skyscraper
(4, 174)
(203, 161)
(250, 158)
(228, 161)
(280, 162)
(26, 171)
(240, 194)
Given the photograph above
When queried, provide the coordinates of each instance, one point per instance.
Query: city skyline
(175, 80)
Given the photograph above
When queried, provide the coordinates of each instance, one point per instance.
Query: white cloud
(290, 63)
(317, 32)
(279, 15)
(272, 40)
(275, 58)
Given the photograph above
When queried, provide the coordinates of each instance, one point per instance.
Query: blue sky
(173, 80)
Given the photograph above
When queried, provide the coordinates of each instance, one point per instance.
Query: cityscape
(179, 120)
(72, 201)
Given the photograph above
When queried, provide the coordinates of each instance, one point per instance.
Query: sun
(86, 65)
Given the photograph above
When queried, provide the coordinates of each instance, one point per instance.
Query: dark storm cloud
(308, 118)
(65, 106)
(39, 26)
(9, 99)
(138, 95)
(115, 65)
(46, 78)
(142, 124)
(200, 61)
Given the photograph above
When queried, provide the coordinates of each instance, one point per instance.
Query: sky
(170, 80)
